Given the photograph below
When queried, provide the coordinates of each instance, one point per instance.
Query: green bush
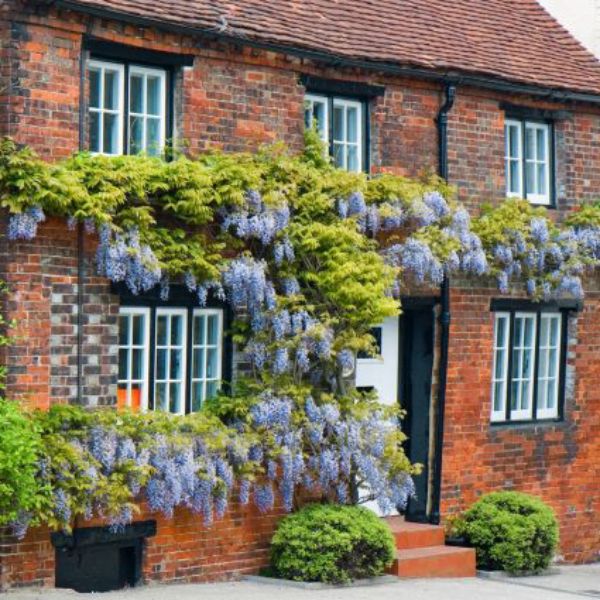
(331, 543)
(19, 453)
(510, 531)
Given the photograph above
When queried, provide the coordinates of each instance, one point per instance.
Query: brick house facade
(231, 94)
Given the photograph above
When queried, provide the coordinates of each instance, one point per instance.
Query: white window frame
(345, 105)
(129, 312)
(103, 66)
(519, 414)
(508, 124)
(500, 414)
(522, 127)
(170, 312)
(546, 412)
(535, 127)
(534, 411)
(323, 129)
(330, 102)
(206, 313)
(146, 72)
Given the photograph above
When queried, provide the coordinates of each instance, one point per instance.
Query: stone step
(415, 535)
(434, 561)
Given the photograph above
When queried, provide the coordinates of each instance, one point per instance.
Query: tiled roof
(515, 40)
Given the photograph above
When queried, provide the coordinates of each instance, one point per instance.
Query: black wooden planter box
(95, 559)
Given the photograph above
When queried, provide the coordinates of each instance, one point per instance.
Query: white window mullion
(500, 366)
(524, 348)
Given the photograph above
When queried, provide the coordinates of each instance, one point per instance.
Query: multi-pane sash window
(170, 358)
(526, 371)
(134, 333)
(127, 108)
(339, 122)
(527, 160)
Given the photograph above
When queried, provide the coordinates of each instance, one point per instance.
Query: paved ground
(581, 581)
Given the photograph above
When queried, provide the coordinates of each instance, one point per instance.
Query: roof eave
(489, 82)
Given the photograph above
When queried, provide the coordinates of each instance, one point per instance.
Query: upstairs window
(528, 161)
(170, 356)
(127, 108)
(528, 365)
(340, 123)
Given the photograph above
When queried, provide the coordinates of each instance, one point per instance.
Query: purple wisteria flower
(23, 226)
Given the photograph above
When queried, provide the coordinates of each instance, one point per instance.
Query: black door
(417, 363)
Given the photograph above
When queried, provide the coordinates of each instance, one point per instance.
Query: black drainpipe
(442, 124)
(80, 236)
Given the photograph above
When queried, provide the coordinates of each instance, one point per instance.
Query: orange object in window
(136, 398)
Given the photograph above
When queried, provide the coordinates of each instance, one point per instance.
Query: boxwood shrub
(331, 543)
(510, 531)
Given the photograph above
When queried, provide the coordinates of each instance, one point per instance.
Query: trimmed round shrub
(510, 531)
(331, 543)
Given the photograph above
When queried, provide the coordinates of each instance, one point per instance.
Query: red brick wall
(556, 461)
(236, 99)
(183, 550)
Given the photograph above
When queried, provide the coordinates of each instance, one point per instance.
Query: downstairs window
(170, 356)
(528, 365)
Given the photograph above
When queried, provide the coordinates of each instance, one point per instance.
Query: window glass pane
(530, 178)
(197, 396)
(138, 329)
(308, 114)
(352, 158)
(501, 326)
(136, 93)
(175, 397)
(338, 124)
(123, 330)
(212, 364)
(554, 331)
(513, 177)
(529, 330)
(498, 396)
(154, 95)
(541, 179)
(111, 89)
(161, 330)
(318, 113)
(529, 143)
(338, 155)
(213, 330)
(137, 364)
(176, 358)
(199, 322)
(111, 134)
(552, 355)
(136, 134)
(198, 366)
(551, 394)
(153, 145)
(352, 124)
(94, 77)
(513, 142)
(123, 359)
(161, 364)
(161, 396)
(541, 144)
(176, 330)
(500, 357)
(94, 132)
(212, 387)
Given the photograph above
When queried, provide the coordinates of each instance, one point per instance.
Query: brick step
(415, 535)
(434, 561)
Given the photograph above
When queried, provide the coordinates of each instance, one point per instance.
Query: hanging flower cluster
(24, 225)
(121, 257)
(525, 246)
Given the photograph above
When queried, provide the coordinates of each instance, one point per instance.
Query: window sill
(528, 424)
